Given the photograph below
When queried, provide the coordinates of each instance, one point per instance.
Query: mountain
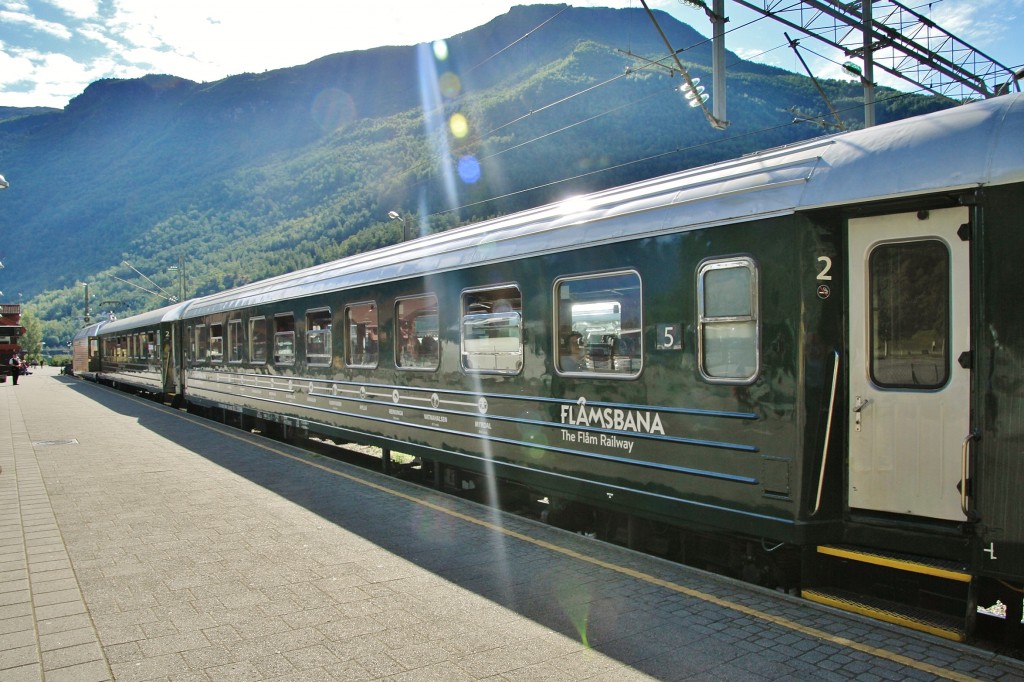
(255, 174)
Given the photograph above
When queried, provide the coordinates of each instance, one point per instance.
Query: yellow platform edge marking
(903, 565)
(622, 570)
(882, 614)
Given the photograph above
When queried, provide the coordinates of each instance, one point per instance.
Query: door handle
(859, 404)
(965, 474)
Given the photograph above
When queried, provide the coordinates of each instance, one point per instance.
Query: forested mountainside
(256, 174)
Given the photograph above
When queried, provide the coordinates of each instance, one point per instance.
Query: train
(803, 367)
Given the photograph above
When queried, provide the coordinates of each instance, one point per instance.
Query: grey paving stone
(176, 553)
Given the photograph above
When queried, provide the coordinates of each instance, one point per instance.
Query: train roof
(166, 314)
(978, 144)
(91, 330)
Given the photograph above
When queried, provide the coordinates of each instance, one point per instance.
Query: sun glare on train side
(572, 205)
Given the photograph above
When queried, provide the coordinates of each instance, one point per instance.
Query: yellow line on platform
(638, 575)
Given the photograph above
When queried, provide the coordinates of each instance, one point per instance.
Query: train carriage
(85, 351)
(803, 366)
(142, 353)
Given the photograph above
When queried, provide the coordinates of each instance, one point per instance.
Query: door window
(910, 307)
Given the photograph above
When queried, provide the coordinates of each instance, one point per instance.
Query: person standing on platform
(15, 368)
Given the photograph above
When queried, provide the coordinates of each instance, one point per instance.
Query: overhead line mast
(716, 119)
(900, 41)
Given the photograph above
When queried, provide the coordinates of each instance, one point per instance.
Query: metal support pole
(718, 20)
(86, 319)
(181, 276)
(869, 69)
(690, 85)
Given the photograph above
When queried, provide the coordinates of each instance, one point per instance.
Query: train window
(257, 340)
(202, 343)
(728, 334)
(492, 330)
(216, 343)
(416, 332)
(190, 334)
(318, 337)
(153, 345)
(599, 322)
(910, 285)
(235, 340)
(284, 339)
(361, 325)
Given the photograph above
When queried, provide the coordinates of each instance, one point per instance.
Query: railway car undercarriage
(939, 597)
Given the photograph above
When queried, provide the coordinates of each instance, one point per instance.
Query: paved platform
(139, 543)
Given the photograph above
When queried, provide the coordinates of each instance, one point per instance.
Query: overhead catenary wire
(652, 157)
(483, 136)
(572, 125)
(591, 118)
(561, 101)
(521, 38)
(478, 139)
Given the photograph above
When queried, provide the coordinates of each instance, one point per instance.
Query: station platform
(140, 543)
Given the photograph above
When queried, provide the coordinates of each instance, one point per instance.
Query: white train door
(909, 396)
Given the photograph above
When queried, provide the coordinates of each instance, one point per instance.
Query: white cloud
(98, 33)
(206, 40)
(55, 78)
(981, 23)
(49, 27)
(79, 9)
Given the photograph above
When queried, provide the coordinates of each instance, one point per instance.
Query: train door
(909, 395)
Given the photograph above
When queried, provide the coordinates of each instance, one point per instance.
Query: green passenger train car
(804, 367)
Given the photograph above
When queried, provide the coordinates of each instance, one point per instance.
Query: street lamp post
(395, 215)
(180, 269)
(87, 319)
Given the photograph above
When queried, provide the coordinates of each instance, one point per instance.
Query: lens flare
(458, 125)
(440, 50)
(575, 600)
(333, 109)
(469, 169)
(450, 85)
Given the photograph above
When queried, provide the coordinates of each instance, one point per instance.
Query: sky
(50, 50)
